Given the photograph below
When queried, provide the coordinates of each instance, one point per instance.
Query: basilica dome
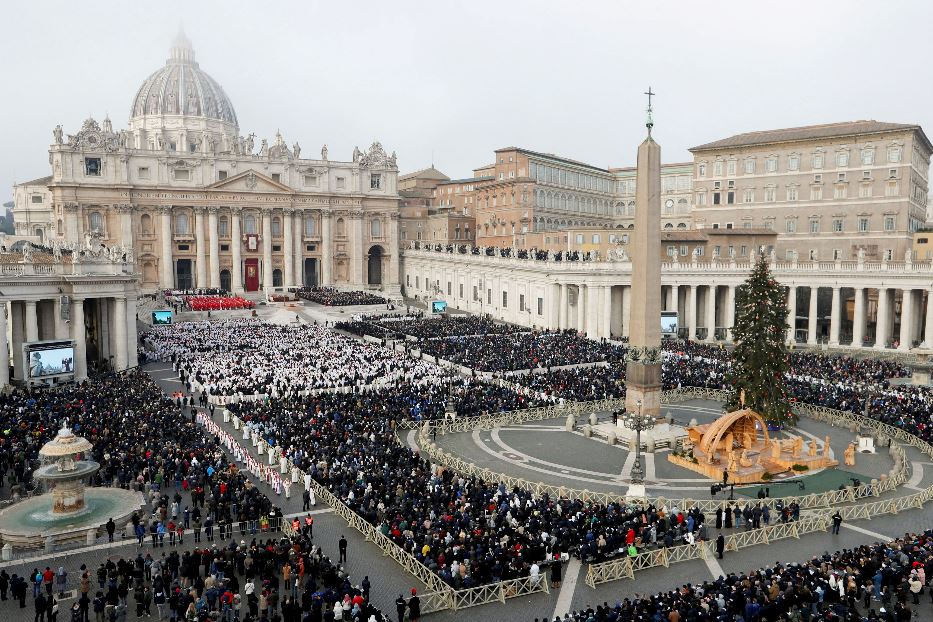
(182, 88)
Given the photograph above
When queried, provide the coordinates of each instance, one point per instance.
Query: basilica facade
(198, 205)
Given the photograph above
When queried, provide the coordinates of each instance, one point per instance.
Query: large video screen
(51, 362)
(669, 322)
(438, 306)
(162, 317)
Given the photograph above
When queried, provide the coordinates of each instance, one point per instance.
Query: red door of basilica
(252, 275)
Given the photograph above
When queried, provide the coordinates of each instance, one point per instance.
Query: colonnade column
(675, 300)
(78, 334)
(201, 244)
(214, 248)
(811, 319)
(327, 250)
(730, 311)
(236, 246)
(288, 247)
(791, 313)
(858, 318)
(32, 321)
(61, 327)
(881, 322)
(132, 359)
(691, 312)
(168, 266)
(626, 309)
(907, 320)
(711, 313)
(563, 306)
(606, 319)
(16, 319)
(4, 349)
(266, 248)
(298, 243)
(119, 320)
(581, 309)
(834, 319)
(928, 327)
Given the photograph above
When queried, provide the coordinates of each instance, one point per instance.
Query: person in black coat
(720, 545)
(556, 572)
(41, 607)
(718, 518)
(400, 606)
(414, 606)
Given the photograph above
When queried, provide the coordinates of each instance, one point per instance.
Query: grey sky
(461, 80)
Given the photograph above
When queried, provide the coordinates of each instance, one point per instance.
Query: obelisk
(643, 369)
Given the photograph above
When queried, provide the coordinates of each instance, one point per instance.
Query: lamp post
(450, 409)
(638, 423)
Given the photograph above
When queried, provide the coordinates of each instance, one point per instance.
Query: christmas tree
(759, 359)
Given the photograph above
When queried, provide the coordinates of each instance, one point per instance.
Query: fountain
(70, 511)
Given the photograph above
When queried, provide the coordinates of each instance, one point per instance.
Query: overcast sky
(460, 81)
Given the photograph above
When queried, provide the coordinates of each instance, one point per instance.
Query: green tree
(759, 360)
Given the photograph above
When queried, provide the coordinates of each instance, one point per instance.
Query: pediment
(250, 181)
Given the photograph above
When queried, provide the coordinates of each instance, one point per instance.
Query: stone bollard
(6, 553)
(91, 537)
(587, 431)
(883, 477)
(611, 437)
(128, 530)
(853, 428)
(693, 422)
(649, 445)
(570, 423)
(593, 419)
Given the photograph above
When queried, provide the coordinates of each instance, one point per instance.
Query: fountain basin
(29, 523)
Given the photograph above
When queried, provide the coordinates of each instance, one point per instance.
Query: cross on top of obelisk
(650, 123)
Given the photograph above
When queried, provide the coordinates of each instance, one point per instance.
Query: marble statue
(850, 455)
(250, 143)
(263, 148)
(296, 150)
(356, 154)
(811, 450)
(57, 134)
(324, 152)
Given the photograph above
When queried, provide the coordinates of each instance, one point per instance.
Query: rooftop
(41, 181)
(811, 132)
(551, 156)
(425, 173)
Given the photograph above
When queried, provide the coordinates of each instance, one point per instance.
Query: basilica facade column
(907, 320)
(791, 313)
(356, 248)
(201, 245)
(327, 249)
(266, 248)
(288, 247)
(214, 249)
(132, 359)
(126, 225)
(236, 246)
(812, 317)
(882, 325)
(298, 246)
(79, 336)
(165, 261)
(72, 228)
(119, 330)
(711, 313)
(858, 318)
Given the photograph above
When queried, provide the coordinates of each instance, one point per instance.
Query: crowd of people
(873, 582)
(331, 297)
(534, 253)
(218, 303)
(428, 327)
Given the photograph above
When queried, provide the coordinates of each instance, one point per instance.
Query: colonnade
(113, 330)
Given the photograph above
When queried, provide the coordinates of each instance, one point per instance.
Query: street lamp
(638, 423)
(450, 409)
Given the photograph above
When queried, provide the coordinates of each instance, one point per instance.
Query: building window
(701, 198)
(842, 159)
(748, 196)
(868, 156)
(770, 195)
(889, 254)
(309, 227)
(743, 251)
(181, 224)
(816, 193)
(684, 250)
(595, 238)
(730, 197)
(790, 226)
(310, 180)
(375, 228)
(276, 227)
(223, 226)
(837, 225)
(730, 168)
(817, 160)
(505, 300)
(249, 224)
(864, 190)
(540, 306)
(840, 191)
(143, 172)
(814, 225)
(96, 222)
(521, 302)
(837, 254)
(701, 170)
(863, 225)
(92, 167)
(716, 198)
(375, 181)
(717, 169)
(894, 154)
(891, 189)
(36, 198)
(771, 164)
(793, 162)
(341, 183)
(749, 166)
(221, 175)
(277, 177)
(890, 223)
(792, 193)
(182, 174)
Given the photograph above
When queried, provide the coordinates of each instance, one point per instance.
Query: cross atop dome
(181, 50)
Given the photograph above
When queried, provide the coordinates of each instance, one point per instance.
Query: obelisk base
(636, 492)
(643, 383)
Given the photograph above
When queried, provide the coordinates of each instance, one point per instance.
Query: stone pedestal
(866, 444)
(636, 492)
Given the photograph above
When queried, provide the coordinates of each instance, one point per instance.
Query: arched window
(375, 228)
(181, 224)
(249, 224)
(341, 228)
(309, 227)
(276, 227)
(145, 222)
(668, 225)
(95, 221)
(681, 225)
